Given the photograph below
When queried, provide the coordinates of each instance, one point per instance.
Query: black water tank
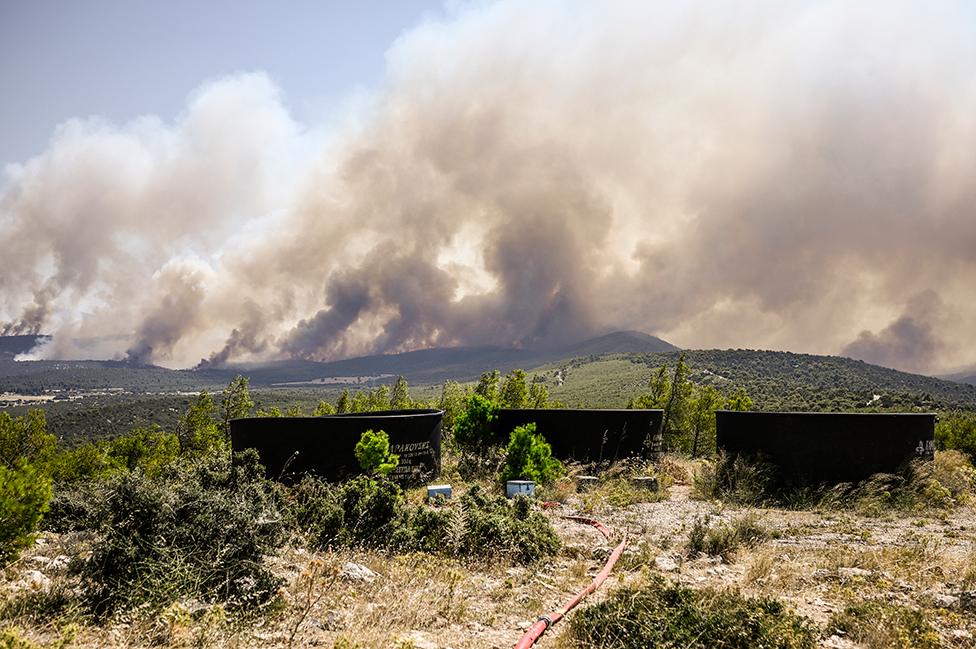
(587, 435)
(292, 446)
(817, 447)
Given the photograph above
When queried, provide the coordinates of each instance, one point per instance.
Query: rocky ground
(817, 562)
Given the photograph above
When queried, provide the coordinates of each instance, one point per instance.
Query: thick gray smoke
(786, 175)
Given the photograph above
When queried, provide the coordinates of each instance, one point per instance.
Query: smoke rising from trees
(786, 175)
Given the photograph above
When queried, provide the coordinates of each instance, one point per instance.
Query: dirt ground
(817, 562)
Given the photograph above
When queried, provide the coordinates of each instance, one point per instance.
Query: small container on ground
(645, 482)
(442, 490)
(515, 487)
(586, 482)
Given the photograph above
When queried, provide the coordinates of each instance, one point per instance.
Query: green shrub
(670, 616)
(486, 525)
(529, 457)
(86, 462)
(880, 625)
(314, 513)
(957, 431)
(201, 530)
(24, 495)
(725, 539)
(25, 439)
(373, 453)
(78, 506)
(363, 512)
(149, 449)
(473, 431)
(38, 606)
(371, 513)
(199, 431)
(735, 479)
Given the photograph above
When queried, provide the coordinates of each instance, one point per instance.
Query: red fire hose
(544, 622)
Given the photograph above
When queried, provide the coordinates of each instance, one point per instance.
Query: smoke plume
(783, 175)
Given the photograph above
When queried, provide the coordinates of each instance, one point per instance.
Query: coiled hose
(544, 622)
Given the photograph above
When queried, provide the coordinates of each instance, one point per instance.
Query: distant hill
(439, 364)
(119, 395)
(775, 380)
(419, 367)
(618, 342)
(12, 345)
(606, 370)
(966, 376)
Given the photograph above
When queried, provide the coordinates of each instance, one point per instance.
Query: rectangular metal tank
(292, 446)
(818, 448)
(587, 435)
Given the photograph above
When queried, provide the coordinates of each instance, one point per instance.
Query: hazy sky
(120, 59)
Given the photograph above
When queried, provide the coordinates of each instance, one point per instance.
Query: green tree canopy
(235, 402)
(400, 398)
(373, 453)
(515, 391)
(25, 438)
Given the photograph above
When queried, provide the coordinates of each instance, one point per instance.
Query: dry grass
(912, 557)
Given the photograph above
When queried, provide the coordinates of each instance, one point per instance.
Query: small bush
(943, 483)
(148, 449)
(724, 540)
(363, 512)
(950, 477)
(39, 606)
(957, 431)
(85, 462)
(529, 457)
(373, 453)
(24, 496)
(77, 506)
(485, 525)
(371, 513)
(25, 439)
(473, 431)
(671, 616)
(880, 625)
(201, 531)
(735, 479)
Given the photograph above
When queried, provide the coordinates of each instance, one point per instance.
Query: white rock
(358, 572)
(850, 573)
(837, 642)
(35, 580)
(942, 600)
(665, 563)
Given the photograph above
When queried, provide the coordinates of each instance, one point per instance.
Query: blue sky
(124, 58)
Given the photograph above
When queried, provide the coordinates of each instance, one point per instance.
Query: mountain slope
(967, 376)
(775, 380)
(618, 342)
(439, 364)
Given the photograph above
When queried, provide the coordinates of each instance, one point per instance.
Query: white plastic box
(435, 490)
(515, 487)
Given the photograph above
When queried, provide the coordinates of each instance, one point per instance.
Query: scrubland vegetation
(163, 537)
